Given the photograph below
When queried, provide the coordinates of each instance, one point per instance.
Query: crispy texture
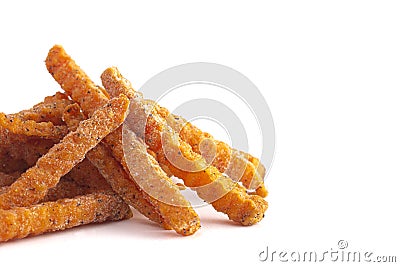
(225, 195)
(49, 110)
(32, 186)
(113, 172)
(239, 166)
(82, 90)
(150, 176)
(222, 192)
(32, 128)
(74, 81)
(66, 213)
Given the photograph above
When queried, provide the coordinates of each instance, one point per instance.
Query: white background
(329, 70)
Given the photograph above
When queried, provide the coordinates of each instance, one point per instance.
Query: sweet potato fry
(32, 128)
(50, 110)
(224, 194)
(234, 163)
(66, 213)
(210, 184)
(113, 172)
(185, 221)
(82, 90)
(32, 186)
(74, 81)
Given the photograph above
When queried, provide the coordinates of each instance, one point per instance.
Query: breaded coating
(234, 163)
(89, 96)
(50, 110)
(74, 81)
(222, 192)
(32, 128)
(32, 186)
(113, 172)
(149, 176)
(62, 214)
(225, 195)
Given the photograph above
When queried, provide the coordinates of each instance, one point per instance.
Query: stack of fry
(63, 162)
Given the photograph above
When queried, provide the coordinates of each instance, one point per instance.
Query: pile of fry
(63, 162)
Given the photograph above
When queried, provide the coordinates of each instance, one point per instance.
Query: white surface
(329, 72)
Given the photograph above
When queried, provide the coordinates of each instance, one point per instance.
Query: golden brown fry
(234, 163)
(50, 110)
(210, 184)
(113, 172)
(32, 186)
(185, 221)
(82, 90)
(32, 128)
(66, 213)
(74, 81)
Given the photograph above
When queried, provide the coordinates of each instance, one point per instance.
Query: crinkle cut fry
(32, 186)
(235, 202)
(113, 172)
(180, 217)
(32, 128)
(98, 207)
(251, 171)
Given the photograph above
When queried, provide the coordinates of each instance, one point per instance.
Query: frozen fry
(66, 213)
(234, 163)
(32, 186)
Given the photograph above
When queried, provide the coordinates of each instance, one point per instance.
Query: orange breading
(74, 81)
(32, 128)
(89, 96)
(49, 110)
(225, 195)
(176, 213)
(32, 186)
(21, 222)
(234, 163)
(113, 172)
